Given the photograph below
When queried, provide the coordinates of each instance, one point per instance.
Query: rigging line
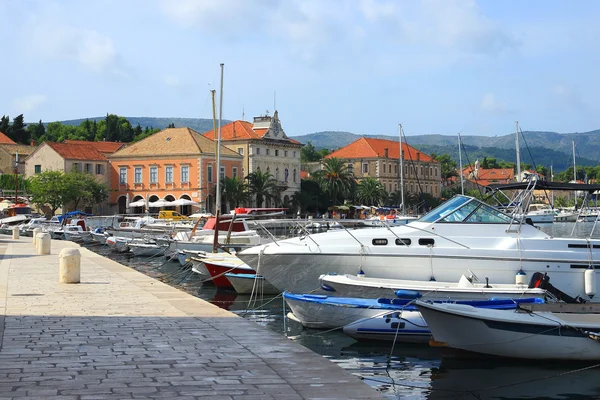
(469, 162)
(533, 161)
(412, 164)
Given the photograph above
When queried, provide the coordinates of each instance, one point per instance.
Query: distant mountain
(546, 148)
(200, 125)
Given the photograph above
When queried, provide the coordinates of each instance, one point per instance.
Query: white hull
(251, 283)
(506, 333)
(399, 326)
(146, 250)
(365, 287)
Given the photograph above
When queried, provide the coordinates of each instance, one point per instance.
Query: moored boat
(250, 283)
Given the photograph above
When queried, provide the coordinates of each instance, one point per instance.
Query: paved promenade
(120, 334)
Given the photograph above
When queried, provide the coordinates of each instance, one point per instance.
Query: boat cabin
(463, 209)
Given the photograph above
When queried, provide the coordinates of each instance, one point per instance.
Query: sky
(362, 66)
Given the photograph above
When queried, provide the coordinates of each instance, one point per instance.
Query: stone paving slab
(120, 334)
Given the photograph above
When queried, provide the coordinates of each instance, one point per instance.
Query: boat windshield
(466, 210)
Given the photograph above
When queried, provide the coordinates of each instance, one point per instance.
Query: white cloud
(51, 35)
(25, 104)
(492, 105)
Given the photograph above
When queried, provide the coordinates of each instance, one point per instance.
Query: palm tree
(262, 185)
(371, 192)
(234, 191)
(335, 178)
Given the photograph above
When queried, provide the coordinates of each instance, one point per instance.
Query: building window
(268, 151)
(37, 169)
(99, 169)
(287, 174)
(77, 167)
(294, 154)
(294, 177)
(137, 175)
(435, 171)
(153, 174)
(430, 171)
(285, 153)
(258, 150)
(235, 172)
(276, 153)
(209, 174)
(276, 172)
(123, 175)
(88, 168)
(222, 174)
(390, 168)
(169, 174)
(421, 170)
(350, 169)
(185, 174)
(240, 150)
(384, 168)
(365, 168)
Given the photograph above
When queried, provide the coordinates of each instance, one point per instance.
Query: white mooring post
(35, 232)
(43, 243)
(15, 232)
(70, 264)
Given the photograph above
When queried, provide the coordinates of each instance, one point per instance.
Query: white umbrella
(183, 202)
(159, 203)
(138, 203)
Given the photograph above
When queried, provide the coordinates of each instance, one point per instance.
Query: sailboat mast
(518, 154)
(574, 167)
(218, 195)
(462, 178)
(401, 169)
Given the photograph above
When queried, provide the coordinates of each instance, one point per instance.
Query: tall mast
(401, 168)
(574, 167)
(215, 134)
(462, 178)
(218, 196)
(518, 154)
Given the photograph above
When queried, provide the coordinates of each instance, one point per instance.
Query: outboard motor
(542, 281)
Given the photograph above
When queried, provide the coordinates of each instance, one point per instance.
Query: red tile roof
(304, 175)
(70, 151)
(240, 130)
(375, 148)
(490, 175)
(5, 139)
(102, 147)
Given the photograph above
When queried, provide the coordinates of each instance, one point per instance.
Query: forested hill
(546, 148)
(200, 125)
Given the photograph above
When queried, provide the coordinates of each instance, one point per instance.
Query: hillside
(200, 125)
(546, 148)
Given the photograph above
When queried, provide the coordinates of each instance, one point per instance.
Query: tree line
(112, 128)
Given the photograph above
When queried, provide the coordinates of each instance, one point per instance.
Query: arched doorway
(186, 209)
(151, 199)
(137, 210)
(170, 198)
(122, 204)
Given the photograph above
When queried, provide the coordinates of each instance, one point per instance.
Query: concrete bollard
(35, 232)
(43, 243)
(70, 264)
(15, 231)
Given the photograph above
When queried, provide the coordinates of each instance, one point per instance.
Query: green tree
(448, 167)
(49, 187)
(234, 191)
(5, 124)
(83, 189)
(18, 133)
(371, 192)
(310, 198)
(309, 153)
(262, 185)
(37, 132)
(171, 125)
(335, 179)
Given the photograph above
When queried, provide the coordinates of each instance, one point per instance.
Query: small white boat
(118, 244)
(146, 249)
(251, 283)
(540, 332)
(406, 326)
(467, 288)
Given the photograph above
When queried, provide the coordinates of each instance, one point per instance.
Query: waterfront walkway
(120, 334)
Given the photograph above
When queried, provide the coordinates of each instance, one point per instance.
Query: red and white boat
(218, 269)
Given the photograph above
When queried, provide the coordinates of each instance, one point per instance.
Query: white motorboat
(566, 216)
(118, 244)
(407, 326)
(568, 332)
(251, 283)
(540, 213)
(463, 233)
(142, 249)
(75, 233)
(467, 288)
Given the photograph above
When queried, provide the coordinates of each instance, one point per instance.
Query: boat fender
(521, 277)
(327, 288)
(407, 294)
(590, 282)
(360, 274)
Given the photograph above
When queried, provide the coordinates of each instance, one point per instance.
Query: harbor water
(399, 371)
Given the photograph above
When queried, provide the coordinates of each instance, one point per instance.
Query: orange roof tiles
(77, 151)
(173, 141)
(491, 174)
(5, 139)
(241, 130)
(102, 147)
(376, 148)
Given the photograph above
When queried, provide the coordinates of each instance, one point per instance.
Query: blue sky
(362, 66)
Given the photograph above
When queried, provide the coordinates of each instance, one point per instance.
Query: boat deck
(122, 334)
